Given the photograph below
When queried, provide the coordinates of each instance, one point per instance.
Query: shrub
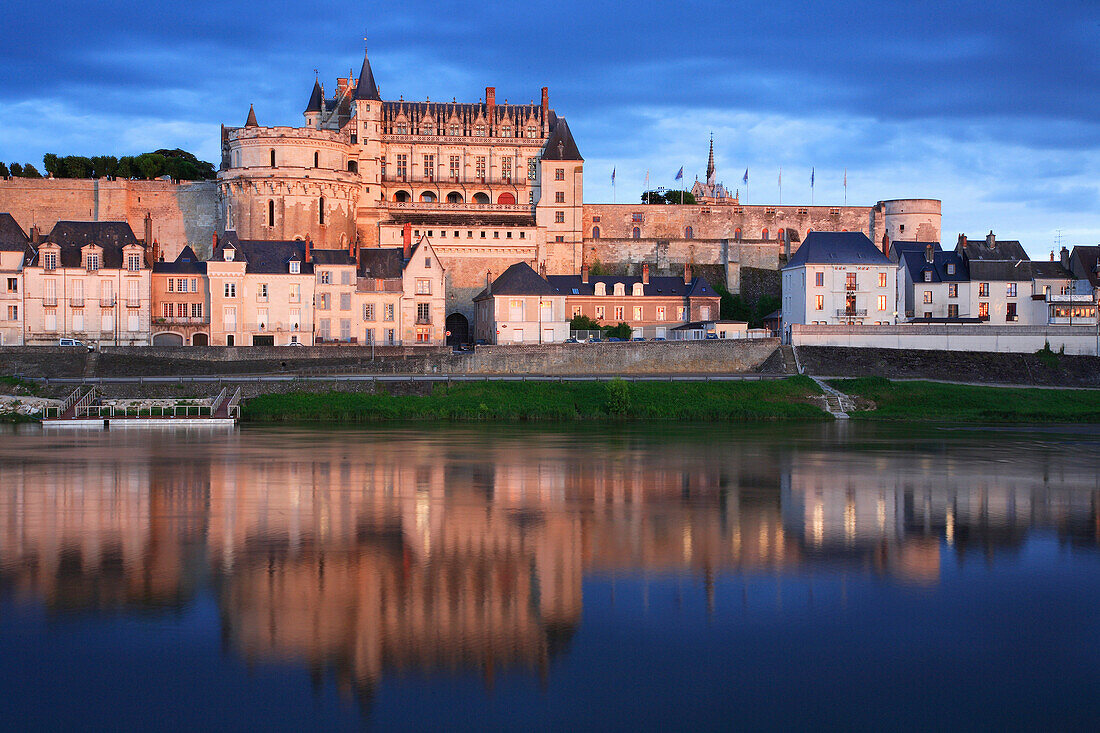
(618, 397)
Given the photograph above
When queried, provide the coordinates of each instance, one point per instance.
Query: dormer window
(49, 260)
(619, 289)
(227, 254)
(601, 289)
(92, 262)
(636, 289)
(928, 276)
(950, 268)
(133, 262)
(295, 267)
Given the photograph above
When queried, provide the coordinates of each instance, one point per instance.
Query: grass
(16, 386)
(932, 401)
(786, 399)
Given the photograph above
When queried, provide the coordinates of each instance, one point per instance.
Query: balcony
(457, 182)
(1077, 298)
(443, 206)
(132, 303)
(49, 301)
(851, 312)
(181, 320)
(108, 302)
(76, 302)
(424, 321)
(850, 287)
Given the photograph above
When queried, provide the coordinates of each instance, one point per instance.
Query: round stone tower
(906, 220)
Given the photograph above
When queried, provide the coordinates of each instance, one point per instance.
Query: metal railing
(851, 312)
(49, 301)
(217, 401)
(131, 303)
(234, 407)
(59, 410)
(165, 411)
(444, 206)
(108, 302)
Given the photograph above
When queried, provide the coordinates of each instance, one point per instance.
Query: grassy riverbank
(787, 399)
(933, 401)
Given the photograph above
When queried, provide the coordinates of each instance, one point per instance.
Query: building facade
(180, 301)
(15, 252)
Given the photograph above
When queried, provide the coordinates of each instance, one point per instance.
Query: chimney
(962, 240)
(156, 251)
(214, 243)
(406, 240)
(645, 273)
(545, 109)
(990, 240)
(542, 269)
(309, 248)
(687, 274)
(148, 228)
(886, 244)
(489, 282)
(584, 274)
(786, 244)
(1052, 255)
(1064, 254)
(36, 235)
(929, 254)
(490, 106)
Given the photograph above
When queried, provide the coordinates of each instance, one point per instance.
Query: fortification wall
(1005, 339)
(183, 213)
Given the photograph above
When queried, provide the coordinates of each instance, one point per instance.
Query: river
(847, 575)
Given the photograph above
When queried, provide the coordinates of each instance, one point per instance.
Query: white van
(75, 342)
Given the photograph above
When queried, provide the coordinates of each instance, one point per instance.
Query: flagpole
(780, 185)
(845, 186)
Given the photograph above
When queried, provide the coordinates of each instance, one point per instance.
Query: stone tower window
(636, 233)
(764, 234)
(321, 211)
(272, 157)
(271, 213)
(689, 233)
(316, 160)
(595, 232)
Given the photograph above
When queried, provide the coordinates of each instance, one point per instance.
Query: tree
(29, 171)
(668, 197)
(76, 166)
(584, 323)
(4, 172)
(622, 331)
(125, 167)
(149, 165)
(16, 170)
(51, 163)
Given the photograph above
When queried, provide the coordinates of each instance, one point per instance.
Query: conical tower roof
(251, 121)
(315, 98)
(366, 87)
(710, 163)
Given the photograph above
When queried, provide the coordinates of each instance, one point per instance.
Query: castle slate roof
(561, 145)
(251, 121)
(332, 257)
(186, 263)
(519, 279)
(314, 104)
(112, 236)
(366, 88)
(838, 248)
(916, 262)
(385, 263)
(12, 236)
(263, 256)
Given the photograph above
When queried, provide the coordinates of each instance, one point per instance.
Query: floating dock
(84, 409)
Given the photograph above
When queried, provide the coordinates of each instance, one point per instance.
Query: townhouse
(180, 301)
(15, 252)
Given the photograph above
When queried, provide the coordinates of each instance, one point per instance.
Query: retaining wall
(1004, 339)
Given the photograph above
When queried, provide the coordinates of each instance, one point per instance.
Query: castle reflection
(375, 553)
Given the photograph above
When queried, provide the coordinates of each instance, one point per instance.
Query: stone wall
(42, 361)
(987, 338)
(183, 213)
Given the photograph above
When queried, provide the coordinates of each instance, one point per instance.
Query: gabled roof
(332, 257)
(1083, 261)
(263, 256)
(898, 248)
(838, 248)
(1050, 270)
(186, 262)
(112, 236)
(251, 121)
(561, 145)
(1004, 250)
(1000, 270)
(12, 236)
(657, 286)
(315, 98)
(519, 279)
(916, 262)
(384, 263)
(365, 88)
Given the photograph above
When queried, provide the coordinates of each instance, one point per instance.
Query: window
(325, 329)
(882, 279)
(295, 318)
(323, 301)
(92, 262)
(681, 313)
(295, 267)
(953, 291)
(559, 238)
(882, 302)
(316, 160)
(1010, 290)
(272, 152)
(196, 310)
(689, 233)
(559, 217)
(231, 290)
(13, 313)
(13, 285)
(326, 277)
(133, 262)
(595, 232)
(819, 279)
(229, 317)
(1010, 312)
(928, 276)
(429, 167)
(423, 286)
(261, 292)
(636, 233)
(171, 285)
(704, 312)
(506, 168)
(600, 311)
(391, 337)
(387, 315)
(927, 296)
(532, 167)
(479, 130)
(479, 167)
(321, 210)
(660, 313)
(575, 310)
(950, 268)
(559, 197)
(953, 310)
(428, 260)
(51, 319)
(423, 313)
(402, 166)
(270, 217)
(764, 234)
(559, 174)
(983, 310)
(819, 302)
(619, 313)
(181, 285)
(345, 329)
(531, 131)
(368, 311)
(345, 277)
(345, 301)
(637, 313)
(368, 336)
(454, 167)
(49, 260)
(454, 130)
(262, 319)
(983, 290)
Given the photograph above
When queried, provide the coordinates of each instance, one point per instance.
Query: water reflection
(372, 553)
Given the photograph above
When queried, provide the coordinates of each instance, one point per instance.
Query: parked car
(658, 338)
(615, 339)
(571, 340)
(75, 342)
(711, 336)
(295, 343)
(481, 342)
(594, 339)
(638, 338)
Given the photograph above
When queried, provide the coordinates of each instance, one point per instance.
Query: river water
(435, 577)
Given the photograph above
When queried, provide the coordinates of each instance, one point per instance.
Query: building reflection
(390, 554)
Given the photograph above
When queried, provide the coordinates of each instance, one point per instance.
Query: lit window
(819, 302)
(882, 279)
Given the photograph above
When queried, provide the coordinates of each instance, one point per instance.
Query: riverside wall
(1081, 340)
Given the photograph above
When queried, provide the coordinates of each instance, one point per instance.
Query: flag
(781, 178)
(811, 178)
(746, 178)
(612, 176)
(680, 174)
(845, 178)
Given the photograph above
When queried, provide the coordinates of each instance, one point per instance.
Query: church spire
(251, 121)
(710, 162)
(315, 98)
(366, 88)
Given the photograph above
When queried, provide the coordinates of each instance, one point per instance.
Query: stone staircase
(837, 403)
(90, 364)
(790, 364)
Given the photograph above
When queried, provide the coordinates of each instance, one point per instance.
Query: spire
(315, 98)
(366, 88)
(251, 121)
(710, 162)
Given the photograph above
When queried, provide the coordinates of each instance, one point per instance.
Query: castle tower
(710, 163)
(313, 108)
(366, 148)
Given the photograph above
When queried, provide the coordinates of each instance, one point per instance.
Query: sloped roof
(262, 255)
(1000, 270)
(561, 145)
(112, 236)
(314, 104)
(519, 279)
(332, 257)
(838, 248)
(897, 249)
(657, 286)
(1050, 270)
(1083, 261)
(186, 262)
(386, 263)
(916, 262)
(366, 88)
(251, 121)
(1007, 249)
(12, 236)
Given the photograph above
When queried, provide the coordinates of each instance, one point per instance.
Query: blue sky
(993, 107)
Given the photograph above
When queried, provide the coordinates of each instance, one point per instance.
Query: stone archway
(458, 328)
(167, 339)
(506, 198)
(481, 198)
(200, 339)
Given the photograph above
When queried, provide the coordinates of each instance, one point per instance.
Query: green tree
(596, 269)
(76, 166)
(51, 163)
(584, 323)
(4, 172)
(668, 197)
(16, 170)
(125, 167)
(764, 306)
(29, 171)
(622, 331)
(150, 165)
